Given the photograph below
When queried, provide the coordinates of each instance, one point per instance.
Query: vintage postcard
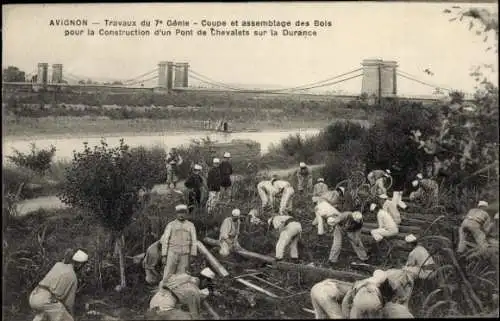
(259, 160)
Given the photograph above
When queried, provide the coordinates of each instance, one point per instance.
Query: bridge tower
(162, 79)
(178, 75)
(170, 74)
(379, 78)
(181, 70)
(185, 75)
(57, 73)
(42, 73)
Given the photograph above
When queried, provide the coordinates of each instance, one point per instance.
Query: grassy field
(49, 127)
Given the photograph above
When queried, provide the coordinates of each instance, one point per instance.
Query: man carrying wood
(427, 192)
(347, 224)
(229, 232)
(478, 223)
(286, 190)
(178, 242)
(266, 192)
(54, 296)
(290, 230)
(419, 259)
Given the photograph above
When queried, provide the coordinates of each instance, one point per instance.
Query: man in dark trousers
(226, 170)
(195, 184)
(214, 184)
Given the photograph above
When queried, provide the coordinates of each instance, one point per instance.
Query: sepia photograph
(250, 160)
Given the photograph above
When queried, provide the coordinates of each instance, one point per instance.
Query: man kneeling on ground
(229, 232)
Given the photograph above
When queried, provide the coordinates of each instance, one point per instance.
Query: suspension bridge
(379, 80)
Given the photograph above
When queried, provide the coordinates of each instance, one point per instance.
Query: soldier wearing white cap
(214, 181)
(334, 197)
(478, 223)
(195, 183)
(304, 179)
(178, 243)
(347, 224)
(229, 232)
(366, 298)
(54, 296)
(323, 210)
(174, 160)
(185, 289)
(379, 179)
(290, 230)
(319, 188)
(266, 192)
(392, 205)
(419, 259)
(401, 284)
(386, 225)
(226, 170)
(286, 190)
(427, 192)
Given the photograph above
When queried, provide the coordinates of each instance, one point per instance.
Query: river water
(65, 146)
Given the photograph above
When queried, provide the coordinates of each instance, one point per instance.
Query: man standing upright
(304, 179)
(178, 242)
(173, 161)
(195, 184)
(214, 185)
(226, 170)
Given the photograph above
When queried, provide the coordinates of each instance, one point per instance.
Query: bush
(389, 144)
(38, 160)
(338, 133)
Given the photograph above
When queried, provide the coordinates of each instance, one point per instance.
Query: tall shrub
(105, 181)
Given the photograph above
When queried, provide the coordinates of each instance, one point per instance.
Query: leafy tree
(13, 74)
(106, 181)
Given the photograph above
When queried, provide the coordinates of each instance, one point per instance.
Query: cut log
(212, 260)
(313, 271)
(256, 287)
(402, 228)
(215, 315)
(320, 273)
(242, 252)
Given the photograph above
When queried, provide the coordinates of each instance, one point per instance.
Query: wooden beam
(215, 315)
(256, 287)
(212, 260)
(285, 266)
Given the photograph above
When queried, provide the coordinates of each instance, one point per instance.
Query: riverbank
(53, 202)
(24, 128)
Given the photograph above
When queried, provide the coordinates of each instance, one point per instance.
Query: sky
(418, 36)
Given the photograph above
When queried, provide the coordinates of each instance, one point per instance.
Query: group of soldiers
(167, 261)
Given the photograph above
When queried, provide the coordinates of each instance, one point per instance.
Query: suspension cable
(422, 82)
